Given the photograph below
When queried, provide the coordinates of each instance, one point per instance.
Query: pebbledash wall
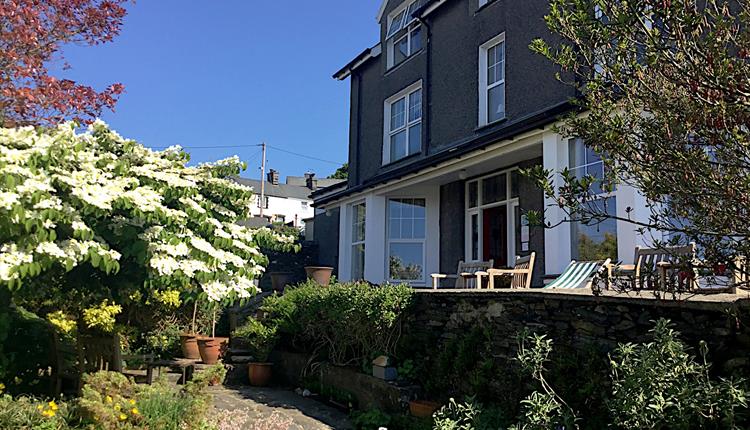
(723, 321)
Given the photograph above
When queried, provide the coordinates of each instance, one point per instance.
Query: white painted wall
(289, 208)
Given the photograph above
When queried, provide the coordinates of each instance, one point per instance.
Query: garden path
(262, 403)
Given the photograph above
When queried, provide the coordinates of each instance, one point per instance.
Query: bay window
(406, 240)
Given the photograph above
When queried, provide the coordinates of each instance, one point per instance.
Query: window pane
(415, 138)
(475, 237)
(407, 218)
(358, 261)
(405, 261)
(494, 189)
(514, 178)
(419, 228)
(398, 145)
(495, 64)
(415, 106)
(496, 103)
(398, 114)
(591, 156)
(596, 241)
(396, 24)
(400, 50)
(473, 194)
(410, 13)
(394, 228)
(419, 207)
(576, 153)
(358, 223)
(416, 40)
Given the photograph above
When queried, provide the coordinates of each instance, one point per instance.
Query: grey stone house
(445, 110)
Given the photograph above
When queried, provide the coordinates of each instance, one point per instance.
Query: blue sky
(239, 72)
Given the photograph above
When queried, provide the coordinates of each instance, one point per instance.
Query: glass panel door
(495, 235)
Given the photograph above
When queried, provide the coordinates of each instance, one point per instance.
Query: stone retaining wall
(577, 318)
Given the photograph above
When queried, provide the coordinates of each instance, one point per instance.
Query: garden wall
(575, 319)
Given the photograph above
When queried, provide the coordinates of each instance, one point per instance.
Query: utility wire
(337, 163)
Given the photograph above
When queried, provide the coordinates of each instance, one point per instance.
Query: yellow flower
(49, 413)
(40, 407)
(109, 399)
(2, 387)
(123, 417)
(53, 405)
(131, 401)
(118, 407)
(134, 411)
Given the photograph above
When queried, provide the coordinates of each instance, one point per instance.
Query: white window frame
(265, 199)
(410, 24)
(484, 88)
(604, 195)
(353, 242)
(510, 204)
(421, 241)
(387, 132)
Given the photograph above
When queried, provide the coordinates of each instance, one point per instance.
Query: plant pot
(189, 343)
(321, 275)
(212, 348)
(259, 374)
(279, 280)
(422, 408)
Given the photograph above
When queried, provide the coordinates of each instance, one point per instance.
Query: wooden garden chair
(103, 353)
(652, 267)
(468, 275)
(520, 273)
(579, 274)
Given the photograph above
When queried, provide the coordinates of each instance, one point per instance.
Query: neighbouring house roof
(254, 222)
(281, 190)
(295, 188)
(522, 125)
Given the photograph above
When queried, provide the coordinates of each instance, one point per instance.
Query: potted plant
(212, 348)
(260, 340)
(320, 274)
(189, 340)
(423, 408)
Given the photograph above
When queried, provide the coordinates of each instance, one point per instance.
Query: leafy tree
(31, 35)
(341, 173)
(665, 86)
(92, 221)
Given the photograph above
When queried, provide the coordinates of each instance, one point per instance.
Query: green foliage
(372, 419)
(260, 338)
(468, 415)
(213, 375)
(461, 365)
(664, 88)
(27, 413)
(660, 385)
(345, 323)
(111, 401)
(656, 385)
(341, 173)
(26, 352)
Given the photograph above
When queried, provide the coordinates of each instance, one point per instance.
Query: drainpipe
(428, 86)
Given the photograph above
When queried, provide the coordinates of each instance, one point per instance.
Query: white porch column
(375, 217)
(556, 240)
(345, 248)
(627, 235)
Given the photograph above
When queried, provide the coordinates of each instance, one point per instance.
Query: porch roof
(458, 149)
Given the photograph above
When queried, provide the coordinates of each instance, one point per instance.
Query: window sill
(487, 126)
(401, 64)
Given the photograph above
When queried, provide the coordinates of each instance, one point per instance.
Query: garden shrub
(28, 413)
(259, 338)
(660, 385)
(468, 415)
(656, 385)
(346, 323)
(26, 352)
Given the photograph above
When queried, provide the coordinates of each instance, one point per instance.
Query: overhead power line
(337, 163)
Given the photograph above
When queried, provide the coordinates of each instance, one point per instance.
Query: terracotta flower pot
(212, 348)
(422, 408)
(279, 280)
(259, 374)
(321, 275)
(189, 343)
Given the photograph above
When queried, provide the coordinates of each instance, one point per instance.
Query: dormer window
(404, 33)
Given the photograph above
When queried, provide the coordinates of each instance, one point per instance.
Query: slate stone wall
(583, 319)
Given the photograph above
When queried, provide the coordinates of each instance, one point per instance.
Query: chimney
(273, 177)
(312, 183)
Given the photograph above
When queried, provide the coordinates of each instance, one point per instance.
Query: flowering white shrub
(95, 200)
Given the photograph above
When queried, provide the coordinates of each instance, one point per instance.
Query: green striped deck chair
(578, 274)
